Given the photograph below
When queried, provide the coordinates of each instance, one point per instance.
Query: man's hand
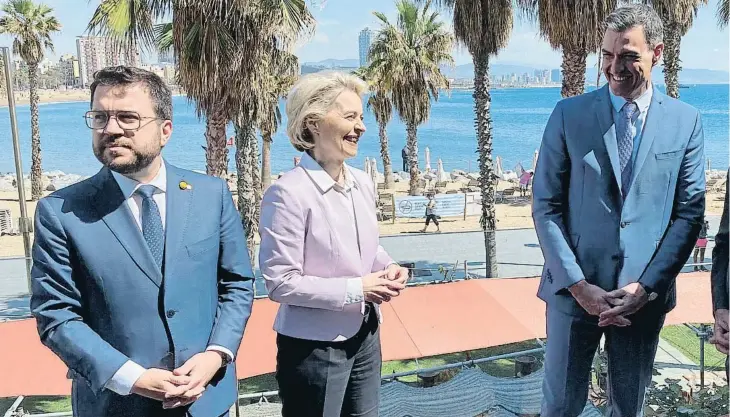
(721, 332)
(377, 288)
(397, 273)
(200, 369)
(159, 383)
(624, 301)
(594, 300)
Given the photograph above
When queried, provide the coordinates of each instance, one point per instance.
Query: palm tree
(382, 106)
(484, 27)
(407, 57)
(279, 81)
(31, 25)
(677, 16)
(723, 13)
(576, 27)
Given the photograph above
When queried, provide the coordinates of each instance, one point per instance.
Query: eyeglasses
(127, 120)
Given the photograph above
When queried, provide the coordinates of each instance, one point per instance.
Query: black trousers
(330, 379)
(430, 217)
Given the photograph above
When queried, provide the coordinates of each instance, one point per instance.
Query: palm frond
(31, 27)
(677, 12)
(128, 23)
(723, 13)
(406, 58)
(574, 25)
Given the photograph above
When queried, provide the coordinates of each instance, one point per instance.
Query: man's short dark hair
(123, 76)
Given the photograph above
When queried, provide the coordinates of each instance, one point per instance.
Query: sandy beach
(515, 213)
(52, 96)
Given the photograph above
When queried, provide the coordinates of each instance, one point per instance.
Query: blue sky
(339, 21)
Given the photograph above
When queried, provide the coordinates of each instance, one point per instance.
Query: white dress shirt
(124, 379)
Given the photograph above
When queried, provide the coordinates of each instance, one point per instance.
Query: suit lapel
(176, 217)
(651, 125)
(604, 113)
(111, 206)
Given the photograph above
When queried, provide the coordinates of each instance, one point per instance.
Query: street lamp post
(24, 223)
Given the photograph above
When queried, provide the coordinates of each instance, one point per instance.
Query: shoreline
(48, 97)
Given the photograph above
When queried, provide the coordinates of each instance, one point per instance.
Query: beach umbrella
(519, 169)
(428, 159)
(374, 168)
(499, 171)
(534, 160)
(441, 175)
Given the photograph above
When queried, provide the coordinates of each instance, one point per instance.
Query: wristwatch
(225, 360)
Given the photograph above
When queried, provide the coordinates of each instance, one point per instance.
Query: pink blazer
(305, 267)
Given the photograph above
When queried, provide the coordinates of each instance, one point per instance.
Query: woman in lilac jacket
(321, 258)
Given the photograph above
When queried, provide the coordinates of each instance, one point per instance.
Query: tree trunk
(266, 161)
(253, 160)
(216, 153)
(412, 143)
(245, 136)
(36, 170)
(574, 71)
(483, 122)
(672, 65)
(385, 154)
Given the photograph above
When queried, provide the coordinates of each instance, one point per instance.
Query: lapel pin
(185, 186)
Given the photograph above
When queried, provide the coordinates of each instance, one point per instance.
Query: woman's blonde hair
(311, 98)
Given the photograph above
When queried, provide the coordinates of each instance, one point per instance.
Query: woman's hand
(397, 273)
(377, 288)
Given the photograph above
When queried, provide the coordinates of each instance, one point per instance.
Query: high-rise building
(556, 76)
(97, 52)
(365, 42)
(69, 68)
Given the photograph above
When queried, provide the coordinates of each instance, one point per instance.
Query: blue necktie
(152, 229)
(626, 144)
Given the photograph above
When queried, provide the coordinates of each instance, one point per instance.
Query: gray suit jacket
(719, 274)
(586, 229)
(99, 298)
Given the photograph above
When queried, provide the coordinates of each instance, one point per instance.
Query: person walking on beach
(141, 280)
(700, 246)
(321, 258)
(618, 204)
(720, 283)
(404, 155)
(430, 215)
(525, 179)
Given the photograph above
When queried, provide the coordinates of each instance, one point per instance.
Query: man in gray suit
(618, 204)
(720, 284)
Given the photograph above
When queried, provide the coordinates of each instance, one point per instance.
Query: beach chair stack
(6, 222)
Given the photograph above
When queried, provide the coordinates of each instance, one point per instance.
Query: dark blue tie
(626, 144)
(152, 229)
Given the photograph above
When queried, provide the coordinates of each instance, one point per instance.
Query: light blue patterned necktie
(626, 144)
(152, 229)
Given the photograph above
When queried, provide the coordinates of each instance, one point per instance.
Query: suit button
(171, 313)
(623, 225)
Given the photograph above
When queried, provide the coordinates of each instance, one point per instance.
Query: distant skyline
(339, 23)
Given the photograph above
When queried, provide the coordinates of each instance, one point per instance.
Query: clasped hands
(721, 332)
(182, 386)
(611, 307)
(381, 286)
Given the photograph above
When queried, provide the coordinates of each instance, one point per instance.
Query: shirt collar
(129, 186)
(642, 102)
(321, 178)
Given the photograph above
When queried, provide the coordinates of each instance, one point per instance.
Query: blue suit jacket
(587, 230)
(99, 298)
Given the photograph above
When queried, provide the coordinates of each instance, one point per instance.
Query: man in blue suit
(619, 200)
(142, 283)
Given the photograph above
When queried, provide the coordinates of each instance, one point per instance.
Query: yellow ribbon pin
(185, 186)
